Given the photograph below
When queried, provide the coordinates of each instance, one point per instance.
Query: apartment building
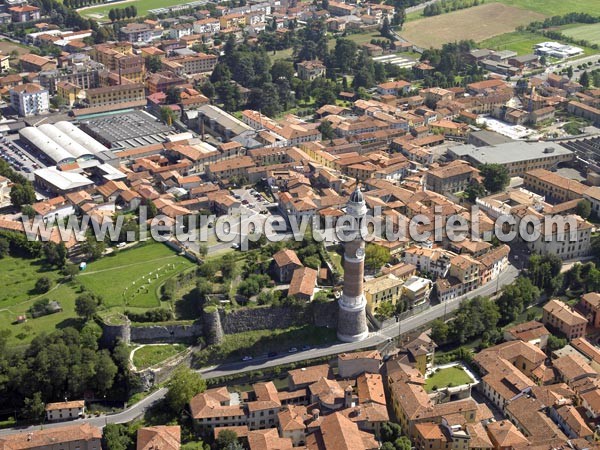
(554, 187)
(564, 242)
(563, 318)
(191, 65)
(309, 70)
(25, 13)
(29, 99)
(387, 288)
(113, 95)
(435, 262)
(451, 178)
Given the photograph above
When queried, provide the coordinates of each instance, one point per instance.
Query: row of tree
(117, 14)
(446, 6)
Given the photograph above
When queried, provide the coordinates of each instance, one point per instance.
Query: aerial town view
(300, 224)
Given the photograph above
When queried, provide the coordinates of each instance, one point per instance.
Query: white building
(556, 241)
(65, 410)
(30, 99)
(5, 187)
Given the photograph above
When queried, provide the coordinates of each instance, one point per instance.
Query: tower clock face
(360, 252)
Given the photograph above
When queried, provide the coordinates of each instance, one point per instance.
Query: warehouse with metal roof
(81, 137)
(46, 145)
(78, 151)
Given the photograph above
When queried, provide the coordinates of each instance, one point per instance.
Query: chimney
(315, 414)
(348, 397)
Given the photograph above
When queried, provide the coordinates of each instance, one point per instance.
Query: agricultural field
(521, 42)
(589, 32)
(471, 23)
(110, 277)
(132, 278)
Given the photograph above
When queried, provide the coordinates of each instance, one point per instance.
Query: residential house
(66, 410)
(563, 318)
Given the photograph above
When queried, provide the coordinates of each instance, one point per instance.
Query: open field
(448, 377)
(477, 23)
(133, 277)
(110, 277)
(6, 47)
(149, 355)
(555, 7)
(143, 6)
(521, 42)
(589, 32)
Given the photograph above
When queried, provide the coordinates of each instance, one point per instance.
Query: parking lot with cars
(18, 158)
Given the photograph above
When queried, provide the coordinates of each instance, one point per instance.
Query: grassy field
(132, 278)
(590, 32)
(149, 355)
(521, 42)
(555, 7)
(143, 6)
(110, 277)
(471, 23)
(451, 376)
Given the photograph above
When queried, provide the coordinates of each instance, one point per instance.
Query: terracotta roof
(159, 438)
(308, 375)
(208, 404)
(51, 437)
(370, 388)
(338, 433)
(573, 367)
(303, 282)
(564, 313)
(65, 405)
(268, 440)
(528, 331)
(287, 256)
(505, 434)
(292, 418)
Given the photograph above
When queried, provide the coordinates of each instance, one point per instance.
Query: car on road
(235, 246)
(247, 358)
(272, 354)
(292, 350)
(305, 347)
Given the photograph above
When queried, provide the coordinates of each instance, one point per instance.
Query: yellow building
(232, 20)
(69, 92)
(382, 289)
(111, 95)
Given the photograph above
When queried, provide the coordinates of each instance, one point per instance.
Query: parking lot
(20, 160)
(252, 201)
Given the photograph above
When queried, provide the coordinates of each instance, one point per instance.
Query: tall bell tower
(352, 319)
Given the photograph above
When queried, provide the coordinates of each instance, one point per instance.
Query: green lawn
(132, 278)
(521, 42)
(143, 6)
(589, 32)
(451, 376)
(555, 7)
(150, 355)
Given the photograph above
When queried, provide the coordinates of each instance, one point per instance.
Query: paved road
(376, 338)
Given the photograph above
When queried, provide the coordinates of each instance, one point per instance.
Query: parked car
(247, 358)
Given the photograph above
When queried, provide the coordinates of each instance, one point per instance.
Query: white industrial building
(63, 143)
(557, 50)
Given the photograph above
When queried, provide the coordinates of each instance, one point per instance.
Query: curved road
(379, 337)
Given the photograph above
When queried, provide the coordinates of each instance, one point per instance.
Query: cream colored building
(65, 410)
(387, 288)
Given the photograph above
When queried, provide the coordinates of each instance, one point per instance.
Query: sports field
(477, 23)
(132, 278)
(143, 6)
(521, 42)
(589, 32)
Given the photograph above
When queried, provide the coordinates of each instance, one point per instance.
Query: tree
(34, 408)
(584, 79)
(184, 385)
(116, 436)
(584, 208)
(153, 63)
(345, 54)
(86, 305)
(555, 343)
(282, 69)
(112, 15)
(22, 194)
(106, 370)
(43, 285)
(495, 177)
(55, 254)
(93, 248)
(226, 438)
(4, 247)
(203, 250)
(326, 130)
(376, 256)
(439, 331)
(402, 443)
(474, 191)
(570, 72)
(385, 29)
